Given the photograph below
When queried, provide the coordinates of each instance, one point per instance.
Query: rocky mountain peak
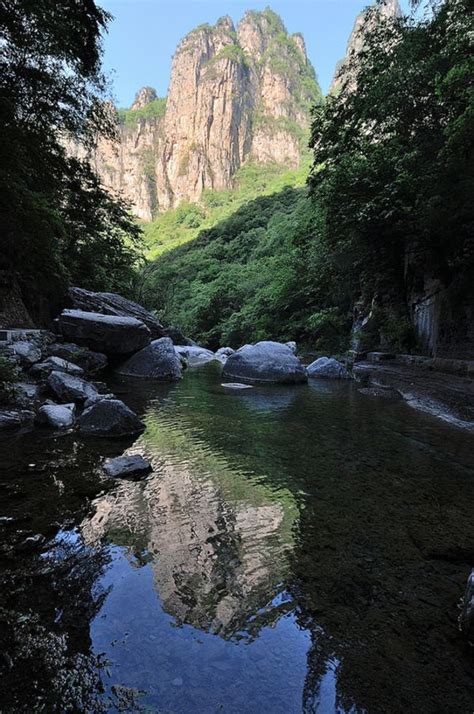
(235, 96)
(144, 96)
(386, 10)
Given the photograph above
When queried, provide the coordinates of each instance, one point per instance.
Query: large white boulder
(265, 362)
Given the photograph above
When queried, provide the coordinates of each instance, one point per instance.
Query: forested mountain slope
(384, 240)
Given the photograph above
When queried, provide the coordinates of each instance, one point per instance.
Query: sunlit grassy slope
(183, 224)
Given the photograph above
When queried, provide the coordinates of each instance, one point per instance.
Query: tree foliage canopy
(58, 224)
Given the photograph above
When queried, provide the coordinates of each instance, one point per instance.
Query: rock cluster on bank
(57, 387)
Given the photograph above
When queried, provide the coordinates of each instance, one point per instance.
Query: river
(296, 549)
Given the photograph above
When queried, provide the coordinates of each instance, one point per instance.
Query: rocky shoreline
(446, 396)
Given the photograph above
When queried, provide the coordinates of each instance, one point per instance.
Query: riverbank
(444, 395)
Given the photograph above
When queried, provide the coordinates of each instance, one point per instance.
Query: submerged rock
(157, 361)
(104, 333)
(194, 355)
(110, 417)
(327, 368)
(236, 385)
(384, 392)
(133, 467)
(265, 362)
(58, 416)
(68, 388)
(113, 304)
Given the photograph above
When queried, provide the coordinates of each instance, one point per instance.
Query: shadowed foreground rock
(68, 388)
(113, 304)
(104, 333)
(110, 417)
(265, 362)
(157, 361)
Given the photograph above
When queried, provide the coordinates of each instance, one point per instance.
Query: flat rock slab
(110, 418)
(134, 467)
(109, 334)
(445, 396)
(113, 304)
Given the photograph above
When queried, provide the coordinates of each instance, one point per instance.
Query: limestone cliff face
(236, 95)
(388, 9)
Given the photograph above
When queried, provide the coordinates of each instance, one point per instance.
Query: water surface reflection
(294, 550)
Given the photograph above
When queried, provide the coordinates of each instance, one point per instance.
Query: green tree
(58, 223)
(392, 169)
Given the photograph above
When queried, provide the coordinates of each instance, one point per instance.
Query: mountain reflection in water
(295, 549)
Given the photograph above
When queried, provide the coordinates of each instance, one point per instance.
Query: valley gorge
(237, 95)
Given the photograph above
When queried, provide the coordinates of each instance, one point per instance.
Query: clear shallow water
(296, 549)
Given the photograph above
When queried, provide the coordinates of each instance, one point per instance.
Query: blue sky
(144, 34)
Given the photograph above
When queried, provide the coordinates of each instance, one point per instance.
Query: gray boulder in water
(104, 333)
(265, 362)
(110, 418)
(113, 304)
(293, 346)
(327, 368)
(157, 361)
(194, 355)
(133, 467)
(68, 388)
(58, 416)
